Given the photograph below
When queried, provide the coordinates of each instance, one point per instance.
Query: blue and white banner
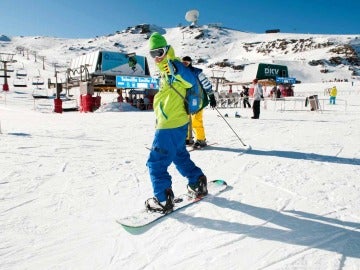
(285, 80)
(137, 82)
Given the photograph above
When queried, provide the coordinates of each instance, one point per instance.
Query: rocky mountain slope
(310, 58)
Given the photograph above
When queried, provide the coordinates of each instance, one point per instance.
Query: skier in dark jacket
(245, 95)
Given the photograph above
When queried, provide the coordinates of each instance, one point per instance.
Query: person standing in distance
(245, 95)
(333, 94)
(258, 96)
(171, 128)
(197, 123)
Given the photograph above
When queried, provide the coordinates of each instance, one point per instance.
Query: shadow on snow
(291, 154)
(300, 228)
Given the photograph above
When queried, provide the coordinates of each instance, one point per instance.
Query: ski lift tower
(192, 16)
(217, 77)
(6, 58)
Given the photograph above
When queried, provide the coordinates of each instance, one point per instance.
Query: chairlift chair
(69, 104)
(37, 80)
(20, 82)
(41, 93)
(21, 73)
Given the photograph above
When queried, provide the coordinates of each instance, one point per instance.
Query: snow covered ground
(65, 178)
(293, 202)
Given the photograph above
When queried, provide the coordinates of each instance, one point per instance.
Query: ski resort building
(108, 65)
(127, 74)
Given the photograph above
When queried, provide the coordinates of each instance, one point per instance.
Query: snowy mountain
(212, 47)
(293, 201)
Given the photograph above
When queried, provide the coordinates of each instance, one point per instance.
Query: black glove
(212, 101)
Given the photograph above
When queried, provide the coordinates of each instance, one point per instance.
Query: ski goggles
(159, 52)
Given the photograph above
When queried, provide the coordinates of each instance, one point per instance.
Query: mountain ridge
(211, 47)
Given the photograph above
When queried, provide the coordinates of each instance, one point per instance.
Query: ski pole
(230, 127)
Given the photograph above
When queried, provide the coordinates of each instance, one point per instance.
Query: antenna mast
(192, 16)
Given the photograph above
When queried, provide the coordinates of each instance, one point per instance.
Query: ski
(192, 148)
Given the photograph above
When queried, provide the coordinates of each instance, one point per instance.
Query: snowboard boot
(189, 142)
(199, 144)
(198, 189)
(153, 204)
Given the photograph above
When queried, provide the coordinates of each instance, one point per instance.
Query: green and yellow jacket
(168, 105)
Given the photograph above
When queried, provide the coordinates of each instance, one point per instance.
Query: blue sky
(90, 18)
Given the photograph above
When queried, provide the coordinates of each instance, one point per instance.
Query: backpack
(196, 98)
(199, 95)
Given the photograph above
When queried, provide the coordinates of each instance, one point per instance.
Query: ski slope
(66, 178)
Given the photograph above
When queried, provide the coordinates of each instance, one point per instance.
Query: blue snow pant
(169, 146)
(332, 100)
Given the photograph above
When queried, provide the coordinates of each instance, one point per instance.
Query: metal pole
(230, 127)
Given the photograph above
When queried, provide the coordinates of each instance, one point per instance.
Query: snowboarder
(258, 96)
(197, 119)
(171, 129)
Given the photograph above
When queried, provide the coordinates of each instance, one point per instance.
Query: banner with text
(137, 82)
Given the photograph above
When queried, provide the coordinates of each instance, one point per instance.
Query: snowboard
(144, 217)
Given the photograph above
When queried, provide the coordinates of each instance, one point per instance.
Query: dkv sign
(268, 71)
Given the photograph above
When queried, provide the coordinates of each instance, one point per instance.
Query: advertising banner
(120, 63)
(269, 71)
(288, 80)
(137, 82)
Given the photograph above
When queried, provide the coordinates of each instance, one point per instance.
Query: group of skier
(173, 131)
